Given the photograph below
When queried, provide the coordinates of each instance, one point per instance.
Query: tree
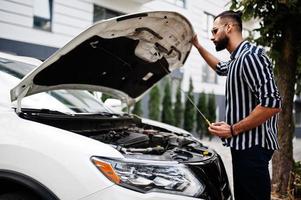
(189, 112)
(154, 103)
(211, 110)
(137, 109)
(105, 96)
(178, 108)
(201, 124)
(281, 31)
(167, 112)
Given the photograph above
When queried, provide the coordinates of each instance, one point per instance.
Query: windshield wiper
(57, 114)
(108, 114)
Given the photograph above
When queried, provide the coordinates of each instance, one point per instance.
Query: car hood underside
(123, 57)
(120, 68)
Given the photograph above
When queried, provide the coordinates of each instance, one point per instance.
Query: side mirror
(115, 104)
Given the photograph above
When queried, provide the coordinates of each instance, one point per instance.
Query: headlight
(150, 176)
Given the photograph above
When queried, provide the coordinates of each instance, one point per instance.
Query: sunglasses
(215, 30)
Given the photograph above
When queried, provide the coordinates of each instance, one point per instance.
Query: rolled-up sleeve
(258, 74)
(222, 68)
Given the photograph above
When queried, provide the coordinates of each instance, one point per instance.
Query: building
(37, 28)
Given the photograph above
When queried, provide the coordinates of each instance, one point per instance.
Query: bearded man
(252, 104)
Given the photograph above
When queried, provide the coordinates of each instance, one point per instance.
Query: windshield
(67, 101)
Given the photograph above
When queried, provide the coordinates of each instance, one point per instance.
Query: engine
(155, 144)
(128, 135)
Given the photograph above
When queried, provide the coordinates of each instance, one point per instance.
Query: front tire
(19, 195)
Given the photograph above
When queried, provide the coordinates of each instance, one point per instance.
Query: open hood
(123, 56)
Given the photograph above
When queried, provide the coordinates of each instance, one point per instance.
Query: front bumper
(119, 193)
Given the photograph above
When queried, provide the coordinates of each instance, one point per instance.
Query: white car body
(54, 163)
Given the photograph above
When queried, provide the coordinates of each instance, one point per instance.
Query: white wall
(70, 17)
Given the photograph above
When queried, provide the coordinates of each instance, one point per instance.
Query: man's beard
(222, 44)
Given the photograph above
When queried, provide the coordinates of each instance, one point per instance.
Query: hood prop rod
(20, 97)
(190, 100)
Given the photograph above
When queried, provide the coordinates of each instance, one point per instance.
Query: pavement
(225, 154)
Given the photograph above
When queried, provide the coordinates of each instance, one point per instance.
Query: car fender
(58, 159)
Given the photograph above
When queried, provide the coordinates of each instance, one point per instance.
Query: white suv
(59, 142)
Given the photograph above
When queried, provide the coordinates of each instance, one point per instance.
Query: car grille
(213, 174)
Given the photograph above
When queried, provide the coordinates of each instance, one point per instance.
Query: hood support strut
(20, 97)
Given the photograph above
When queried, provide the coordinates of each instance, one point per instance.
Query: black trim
(173, 48)
(132, 16)
(186, 56)
(161, 48)
(26, 49)
(28, 182)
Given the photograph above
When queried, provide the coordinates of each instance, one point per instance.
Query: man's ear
(228, 28)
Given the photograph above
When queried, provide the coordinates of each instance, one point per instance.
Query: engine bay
(149, 143)
(128, 135)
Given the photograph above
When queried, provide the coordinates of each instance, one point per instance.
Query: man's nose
(212, 38)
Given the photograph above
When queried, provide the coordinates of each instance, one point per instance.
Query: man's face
(219, 37)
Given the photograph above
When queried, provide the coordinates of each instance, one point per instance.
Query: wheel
(18, 195)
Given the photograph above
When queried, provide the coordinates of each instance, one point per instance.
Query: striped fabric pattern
(250, 82)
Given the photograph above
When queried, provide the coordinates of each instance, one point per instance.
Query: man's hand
(220, 129)
(195, 42)
(208, 57)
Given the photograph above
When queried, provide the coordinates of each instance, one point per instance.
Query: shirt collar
(238, 49)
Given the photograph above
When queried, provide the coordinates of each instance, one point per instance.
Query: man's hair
(232, 16)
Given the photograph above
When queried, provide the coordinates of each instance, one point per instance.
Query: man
(252, 102)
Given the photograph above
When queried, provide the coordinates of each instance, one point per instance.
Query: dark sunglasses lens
(214, 31)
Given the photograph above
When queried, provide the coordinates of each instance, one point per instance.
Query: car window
(67, 101)
(79, 101)
(71, 101)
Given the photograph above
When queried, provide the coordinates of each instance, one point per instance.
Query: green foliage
(137, 109)
(154, 103)
(276, 18)
(297, 168)
(189, 113)
(167, 112)
(105, 96)
(178, 108)
(294, 187)
(211, 108)
(201, 125)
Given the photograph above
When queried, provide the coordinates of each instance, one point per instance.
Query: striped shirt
(250, 82)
